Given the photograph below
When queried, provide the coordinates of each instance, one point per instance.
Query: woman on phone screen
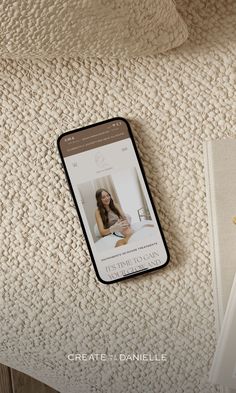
(110, 217)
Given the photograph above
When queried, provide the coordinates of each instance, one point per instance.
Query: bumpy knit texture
(89, 27)
(52, 304)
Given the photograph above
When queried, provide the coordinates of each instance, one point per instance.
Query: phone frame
(77, 208)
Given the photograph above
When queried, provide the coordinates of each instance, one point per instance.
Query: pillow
(41, 28)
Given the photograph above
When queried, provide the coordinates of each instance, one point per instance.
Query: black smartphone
(113, 200)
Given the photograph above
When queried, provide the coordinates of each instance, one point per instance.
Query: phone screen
(113, 201)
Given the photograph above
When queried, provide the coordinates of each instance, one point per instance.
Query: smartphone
(113, 200)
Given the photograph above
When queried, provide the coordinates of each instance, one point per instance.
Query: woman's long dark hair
(101, 208)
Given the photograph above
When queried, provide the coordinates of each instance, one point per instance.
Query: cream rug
(52, 305)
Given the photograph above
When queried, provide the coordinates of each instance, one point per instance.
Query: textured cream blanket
(52, 305)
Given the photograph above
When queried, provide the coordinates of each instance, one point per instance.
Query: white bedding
(140, 229)
(52, 304)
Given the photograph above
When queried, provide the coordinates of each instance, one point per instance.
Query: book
(223, 370)
(220, 174)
